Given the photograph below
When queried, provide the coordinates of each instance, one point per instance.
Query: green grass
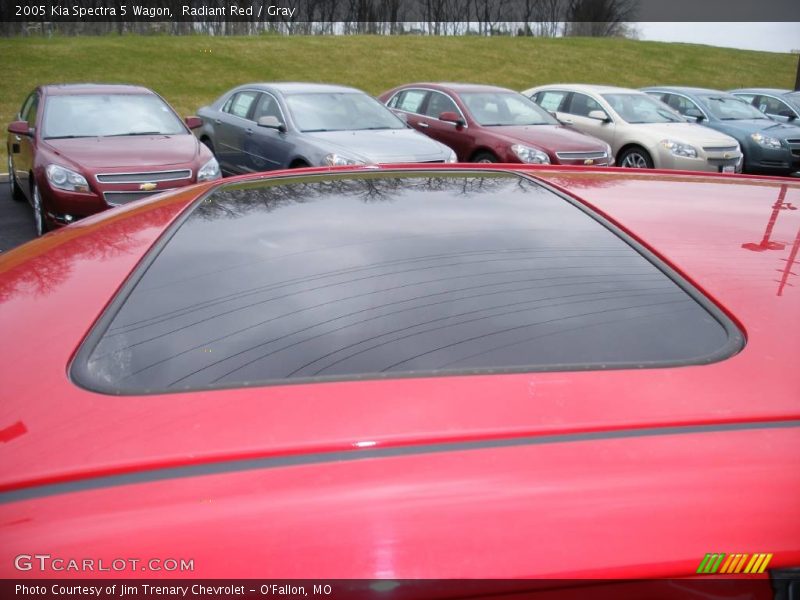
(192, 71)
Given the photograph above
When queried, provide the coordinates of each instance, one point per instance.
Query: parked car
(265, 126)
(77, 149)
(780, 105)
(770, 148)
(434, 372)
(487, 124)
(643, 132)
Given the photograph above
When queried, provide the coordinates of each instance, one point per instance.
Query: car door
(450, 134)
(233, 121)
(266, 148)
(575, 113)
(22, 146)
(774, 108)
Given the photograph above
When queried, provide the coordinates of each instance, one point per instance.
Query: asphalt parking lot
(16, 220)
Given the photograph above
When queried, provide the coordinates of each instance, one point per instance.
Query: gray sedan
(265, 126)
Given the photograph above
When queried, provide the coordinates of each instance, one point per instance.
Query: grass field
(192, 71)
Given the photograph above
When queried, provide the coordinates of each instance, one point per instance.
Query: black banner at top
(399, 11)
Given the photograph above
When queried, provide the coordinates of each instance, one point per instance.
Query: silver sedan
(265, 126)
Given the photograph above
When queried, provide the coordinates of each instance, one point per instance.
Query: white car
(642, 131)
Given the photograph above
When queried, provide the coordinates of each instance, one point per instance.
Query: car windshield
(492, 109)
(641, 108)
(340, 111)
(103, 115)
(731, 108)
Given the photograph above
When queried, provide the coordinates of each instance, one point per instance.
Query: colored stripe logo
(728, 564)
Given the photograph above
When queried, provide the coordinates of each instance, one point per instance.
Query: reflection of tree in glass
(237, 201)
(43, 273)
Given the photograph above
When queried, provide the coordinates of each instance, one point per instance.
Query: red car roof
(71, 89)
(670, 454)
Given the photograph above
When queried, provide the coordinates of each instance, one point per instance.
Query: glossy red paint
(470, 139)
(31, 154)
(626, 496)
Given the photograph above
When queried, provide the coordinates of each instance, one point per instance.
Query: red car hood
(472, 476)
(136, 151)
(555, 138)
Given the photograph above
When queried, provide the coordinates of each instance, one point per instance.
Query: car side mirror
(20, 128)
(451, 117)
(193, 122)
(271, 122)
(694, 114)
(599, 115)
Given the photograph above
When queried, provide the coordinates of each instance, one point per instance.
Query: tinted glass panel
(582, 105)
(409, 100)
(381, 275)
(240, 107)
(551, 100)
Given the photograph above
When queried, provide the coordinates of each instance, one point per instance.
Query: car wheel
(13, 186)
(635, 158)
(484, 157)
(38, 210)
(299, 164)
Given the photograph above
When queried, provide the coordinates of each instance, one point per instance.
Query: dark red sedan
(489, 124)
(452, 371)
(78, 149)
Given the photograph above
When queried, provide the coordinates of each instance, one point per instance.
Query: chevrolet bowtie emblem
(726, 155)
(147, 187)
(588, 161)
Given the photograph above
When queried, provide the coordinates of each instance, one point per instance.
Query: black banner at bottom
(705, 588)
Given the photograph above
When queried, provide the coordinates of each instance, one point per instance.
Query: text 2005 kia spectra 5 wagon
(410, 372)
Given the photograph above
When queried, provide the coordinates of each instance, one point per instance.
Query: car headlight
(209, 171)
(66, 179)
(530, 155)
(337, 160)
(765, 140)
(609, 152)
(679, 148)
(452, 158)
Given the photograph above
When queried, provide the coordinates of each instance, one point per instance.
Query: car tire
(14, 189)
(299, 164)
(635, 157)
(38, 210)
(484, 157)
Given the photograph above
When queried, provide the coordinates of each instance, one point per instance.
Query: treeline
(545, 18)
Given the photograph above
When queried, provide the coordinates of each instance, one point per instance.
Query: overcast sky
(772, 37)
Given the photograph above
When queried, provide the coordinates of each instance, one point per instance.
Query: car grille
(793, 141)
(720, 148)
(580, 155)
(724, 162)
(150, 177)
(119, 198)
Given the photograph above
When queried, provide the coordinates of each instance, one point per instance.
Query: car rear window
(387, 274)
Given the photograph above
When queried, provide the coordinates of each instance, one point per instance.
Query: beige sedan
(643, 132)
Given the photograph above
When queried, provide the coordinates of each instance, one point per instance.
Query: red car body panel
(97, 155)
(618, 473)
(475, 138)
